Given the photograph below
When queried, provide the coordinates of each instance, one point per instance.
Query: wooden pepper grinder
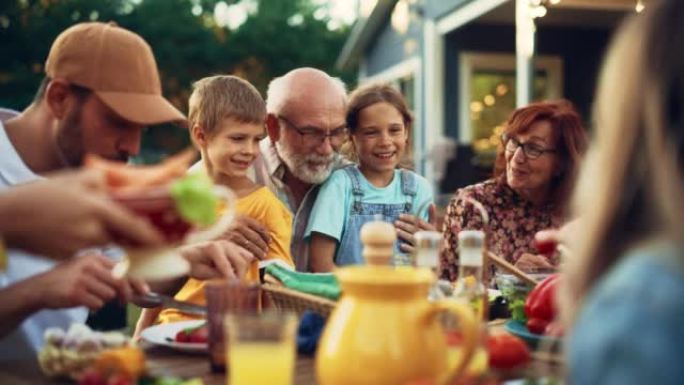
(378, 239)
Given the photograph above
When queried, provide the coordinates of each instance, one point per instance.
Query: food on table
(514, 292)
(507, 351)
(478, 363)
(128, 362)
(195, 335)
(160, 210)
(67, 354)
(540, 306)
(121, 176)
(125, 366)
(171, 199)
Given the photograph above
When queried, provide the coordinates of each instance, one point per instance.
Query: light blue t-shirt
(331, 210)
(631, 327)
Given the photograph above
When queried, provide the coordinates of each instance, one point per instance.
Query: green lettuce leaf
(195, 199)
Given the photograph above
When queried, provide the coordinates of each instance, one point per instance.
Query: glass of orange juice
(260, 348)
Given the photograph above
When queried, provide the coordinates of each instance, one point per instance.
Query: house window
(406, 86)
(487, 96)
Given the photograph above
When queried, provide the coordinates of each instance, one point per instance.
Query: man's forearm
(17, 302)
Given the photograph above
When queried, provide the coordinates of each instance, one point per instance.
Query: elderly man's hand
(217, 259)
(408, 224)
(249, 234)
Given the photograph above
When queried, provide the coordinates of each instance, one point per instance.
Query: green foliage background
(187, 45)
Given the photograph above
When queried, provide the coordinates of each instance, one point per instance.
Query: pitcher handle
(222, 224)
(470, 330)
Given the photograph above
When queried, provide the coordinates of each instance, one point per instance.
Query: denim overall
(350, 250)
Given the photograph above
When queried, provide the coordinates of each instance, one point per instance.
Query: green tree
(187, 42)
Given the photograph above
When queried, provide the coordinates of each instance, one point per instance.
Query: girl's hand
(407, 225)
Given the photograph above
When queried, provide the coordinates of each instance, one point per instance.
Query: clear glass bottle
(470, 286)
(428, 245)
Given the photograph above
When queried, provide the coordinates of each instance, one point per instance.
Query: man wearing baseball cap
(101, 89)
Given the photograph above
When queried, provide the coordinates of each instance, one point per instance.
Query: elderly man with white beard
(306, 128)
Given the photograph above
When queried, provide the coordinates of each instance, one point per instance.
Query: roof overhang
(364, 31)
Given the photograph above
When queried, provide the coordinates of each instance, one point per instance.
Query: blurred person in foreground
(101, 89)
(623, 292)
(534, 173)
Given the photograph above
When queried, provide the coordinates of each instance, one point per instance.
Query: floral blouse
(513, 223)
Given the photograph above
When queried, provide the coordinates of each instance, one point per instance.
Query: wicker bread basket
(284, 298)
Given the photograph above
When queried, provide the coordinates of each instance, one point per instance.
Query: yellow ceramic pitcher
(384, 331)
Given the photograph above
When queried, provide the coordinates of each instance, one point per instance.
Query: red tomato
(182, 336)
(199, 335)
(507, 351)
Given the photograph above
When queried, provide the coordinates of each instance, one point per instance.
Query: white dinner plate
(165, 334)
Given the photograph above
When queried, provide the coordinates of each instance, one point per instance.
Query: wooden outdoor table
(165, 361)
(160, 361)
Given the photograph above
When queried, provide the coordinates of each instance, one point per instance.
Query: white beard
(299, 165)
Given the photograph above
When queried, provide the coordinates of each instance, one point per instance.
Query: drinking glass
(261, 348)
(223, 297)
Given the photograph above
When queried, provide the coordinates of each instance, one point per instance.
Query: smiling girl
(379, 123)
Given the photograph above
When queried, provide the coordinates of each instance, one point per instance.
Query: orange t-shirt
(263, 206)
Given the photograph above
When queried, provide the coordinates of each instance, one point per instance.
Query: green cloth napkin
(320, 284)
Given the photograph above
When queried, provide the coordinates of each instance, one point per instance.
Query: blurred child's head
(226, 118)
(379, 122)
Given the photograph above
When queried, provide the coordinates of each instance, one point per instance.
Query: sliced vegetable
(122, 176)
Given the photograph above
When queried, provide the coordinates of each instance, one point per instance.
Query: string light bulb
(639, 6)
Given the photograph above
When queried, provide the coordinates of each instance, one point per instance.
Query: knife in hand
(155, 300)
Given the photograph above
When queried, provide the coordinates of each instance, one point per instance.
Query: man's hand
(249, 234)
(82, 281)
(532, 263)
(217, 259)
(74, 213)
(408, 224)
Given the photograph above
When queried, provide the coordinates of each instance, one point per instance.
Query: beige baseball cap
(117, 65)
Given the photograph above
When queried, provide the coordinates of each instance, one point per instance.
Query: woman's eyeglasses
(531, 150)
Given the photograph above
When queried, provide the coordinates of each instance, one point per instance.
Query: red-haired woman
(535, 168)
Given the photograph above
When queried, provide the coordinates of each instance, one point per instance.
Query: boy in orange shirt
(226, 119)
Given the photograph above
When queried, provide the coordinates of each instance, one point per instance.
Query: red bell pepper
(540, 306)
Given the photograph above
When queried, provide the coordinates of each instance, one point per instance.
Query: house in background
(464, 65)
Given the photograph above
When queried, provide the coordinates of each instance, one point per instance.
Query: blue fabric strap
(409, 188)
(353, 173)
(408, 183)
